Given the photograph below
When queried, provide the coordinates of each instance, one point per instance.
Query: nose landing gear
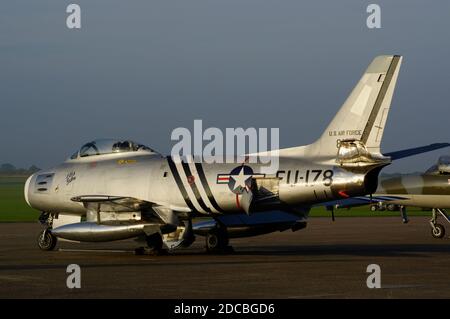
(46, 240)
(438, 230)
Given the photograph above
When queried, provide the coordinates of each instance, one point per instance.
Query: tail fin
(363, 115)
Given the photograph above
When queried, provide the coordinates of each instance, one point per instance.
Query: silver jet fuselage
(191, 187)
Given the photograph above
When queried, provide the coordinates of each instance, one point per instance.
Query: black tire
(155, 242)
(46, 240)
(373, 208)
(438, 231)
(391, 207)
(139, 251)
(216, 240)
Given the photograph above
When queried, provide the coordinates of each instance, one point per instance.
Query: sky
(139, 69)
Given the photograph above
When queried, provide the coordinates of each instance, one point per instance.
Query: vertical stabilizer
(363, 115)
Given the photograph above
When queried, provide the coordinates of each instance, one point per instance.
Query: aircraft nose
(26, 189)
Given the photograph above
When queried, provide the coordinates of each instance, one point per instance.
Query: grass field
(12, 201)
(13, 207)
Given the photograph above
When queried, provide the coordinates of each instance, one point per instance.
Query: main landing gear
(404, 215)
(217, 241)
(438, 230)
(154, 246)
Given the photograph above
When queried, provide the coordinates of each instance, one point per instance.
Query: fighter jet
(428, 190)
(119, 189)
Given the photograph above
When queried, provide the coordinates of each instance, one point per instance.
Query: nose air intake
(26, 189)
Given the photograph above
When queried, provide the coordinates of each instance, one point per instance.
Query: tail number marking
(309, 178)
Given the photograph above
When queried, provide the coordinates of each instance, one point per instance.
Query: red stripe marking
(237, 201)
(343, 194)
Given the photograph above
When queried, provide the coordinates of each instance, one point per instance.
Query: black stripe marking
(188, 173)
(376, 108)
(180, 185)
(204, 181)
(317, 198)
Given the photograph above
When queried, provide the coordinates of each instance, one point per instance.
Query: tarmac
(325, 260)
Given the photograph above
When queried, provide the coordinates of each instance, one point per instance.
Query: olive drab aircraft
(428, 190)
(118, 189)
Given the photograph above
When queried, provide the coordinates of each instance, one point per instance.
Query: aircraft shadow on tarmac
(387, 250)
(384, 249)
(341, 250)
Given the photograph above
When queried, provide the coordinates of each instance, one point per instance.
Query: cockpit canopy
(109, 146)
(441, 168)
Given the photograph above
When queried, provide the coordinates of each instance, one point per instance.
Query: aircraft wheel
(391, 207)
(46, 240)
(140, 251)
(216, 240)
(373, 208)
(438, 231)
(155, 242)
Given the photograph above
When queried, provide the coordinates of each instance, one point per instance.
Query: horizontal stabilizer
(417, 150)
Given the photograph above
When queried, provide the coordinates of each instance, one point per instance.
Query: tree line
(10, 169)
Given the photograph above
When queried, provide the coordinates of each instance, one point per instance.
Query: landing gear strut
(154, 245)
(438, 230)
(217, 241)
(46, 240)
(405, 218)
